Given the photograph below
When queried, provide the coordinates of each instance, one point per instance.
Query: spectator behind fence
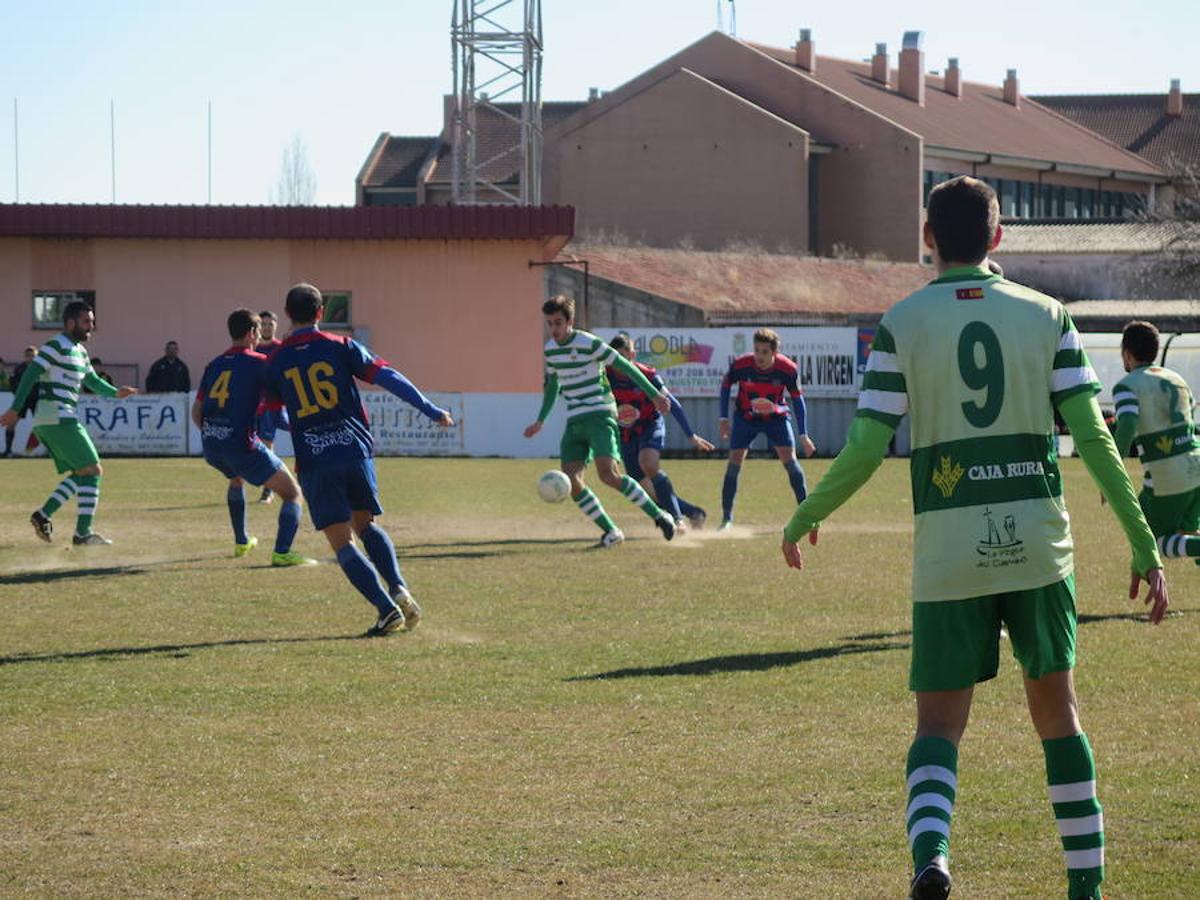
(11, 431)
(169, 373)
(5, 384)
(98, 365)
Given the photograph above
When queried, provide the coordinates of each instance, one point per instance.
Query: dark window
(48, 306)
(1008, 197)
(337, 311)
(1088, 205)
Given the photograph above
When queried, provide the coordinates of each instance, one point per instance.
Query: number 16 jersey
(977, 362)
(313, 374)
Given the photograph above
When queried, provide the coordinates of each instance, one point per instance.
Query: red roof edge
(288, 222)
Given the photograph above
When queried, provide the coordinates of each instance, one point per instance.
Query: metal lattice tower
(497, 47)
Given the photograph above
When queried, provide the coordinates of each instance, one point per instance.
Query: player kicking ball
(313, 374)
(574, 364)
(224, 410)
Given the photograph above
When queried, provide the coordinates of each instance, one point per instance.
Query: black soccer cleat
(697, 518)
(91, 539)
(385, 625)
(666, 525)
(42, 525)
(932, 882)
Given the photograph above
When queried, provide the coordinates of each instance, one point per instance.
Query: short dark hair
(560, 303)
(620, 341)
(767, 336)
(963, 215)
(1141, 340)
(240, 322)
(303, 303)
(75, 309)
(266, 314)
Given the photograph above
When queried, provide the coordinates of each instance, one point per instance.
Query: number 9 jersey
(313, 374)
(977, 362)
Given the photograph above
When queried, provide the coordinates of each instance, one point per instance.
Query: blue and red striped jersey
(269, 347)
(634, 409)
(761, 392)
(231, 390)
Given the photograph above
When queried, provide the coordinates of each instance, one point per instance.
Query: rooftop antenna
(497, 62)
(732, 17)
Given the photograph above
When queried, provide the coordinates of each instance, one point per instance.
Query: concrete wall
(611, 304)
(1093, 276)
(452, 315)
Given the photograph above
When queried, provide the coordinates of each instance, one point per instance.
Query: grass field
(683, 720)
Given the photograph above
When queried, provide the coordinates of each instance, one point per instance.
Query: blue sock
(687, 509)
(796, 477)
(664, 491)
(237, 513)
(363, 577)
(382, 551)
(289, 522)
(729, 490)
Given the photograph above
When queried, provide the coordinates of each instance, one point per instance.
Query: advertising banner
(401, 430)
(142, 425)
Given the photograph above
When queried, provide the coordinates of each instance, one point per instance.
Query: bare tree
(297, 185)
(1175, 266)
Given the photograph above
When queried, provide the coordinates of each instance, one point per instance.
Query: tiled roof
(400, 161)
(1134, 309)
(1085, 237)
(979, 122)
(1138, 122)
(746, 285)
(288, 222)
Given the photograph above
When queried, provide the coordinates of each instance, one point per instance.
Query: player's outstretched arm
(1104, 464)
(395, 383)
(549, 395)
(865, 449)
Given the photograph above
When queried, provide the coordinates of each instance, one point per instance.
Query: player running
(762, 379)
(644, 433)
(266, 425)
(979, 363)
(60, 369)
(313, 374)
(574, 363)
(224, 410)
(1154, 406)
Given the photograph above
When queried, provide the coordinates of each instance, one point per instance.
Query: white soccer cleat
(409, 606)
(611, 539)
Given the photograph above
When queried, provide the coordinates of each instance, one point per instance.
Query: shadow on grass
(177, 650)
(185, 506)
(741, 662)
(558, 542)
(67, 574)
(1141, 618)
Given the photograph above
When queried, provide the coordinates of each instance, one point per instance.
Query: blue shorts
(267, 425)
(652, 437)
(337, 490)
(778, 430)
(255, 465)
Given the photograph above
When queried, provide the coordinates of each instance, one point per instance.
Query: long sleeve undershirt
(395, 383)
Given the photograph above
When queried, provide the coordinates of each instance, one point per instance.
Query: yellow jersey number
(220, 389)
(324, 391)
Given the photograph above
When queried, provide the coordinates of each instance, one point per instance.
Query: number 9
(986, 377)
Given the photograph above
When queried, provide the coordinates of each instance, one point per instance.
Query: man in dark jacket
(169, 373)
(18, 371)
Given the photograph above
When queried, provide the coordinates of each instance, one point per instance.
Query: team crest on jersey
(947, 476)
(1164, 445)
(1000, 550)
(975, 293)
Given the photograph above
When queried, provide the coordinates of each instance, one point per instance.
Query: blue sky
(340, 73)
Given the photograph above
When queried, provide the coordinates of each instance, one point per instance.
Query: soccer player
(313, 375)
(574, 364)
(60, 369)
(230, 392)
(644, 432)
(763, 377)
(1154, 406)
(266, 425)
(978, 362)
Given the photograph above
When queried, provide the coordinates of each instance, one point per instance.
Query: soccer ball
(554, 486)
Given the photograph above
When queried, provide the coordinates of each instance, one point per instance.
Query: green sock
(638, 497)
(589, 503)
(64, 492)
(1071, 774)
(932, 786)
(1176, 545)
(89, 497)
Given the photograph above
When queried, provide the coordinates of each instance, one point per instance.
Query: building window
(48, 306)
(337, 311)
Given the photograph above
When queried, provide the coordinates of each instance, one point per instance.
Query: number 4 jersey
(231, 391)
(313, 375)
(977, 362)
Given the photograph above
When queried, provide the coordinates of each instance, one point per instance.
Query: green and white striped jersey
(579, 364)
(66, 365)
(1160, 403)
(976, 362)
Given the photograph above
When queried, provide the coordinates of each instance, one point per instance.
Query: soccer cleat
(42, 525)
(240, 550)
(611, 539)
(385, 625)
(932, 882)
(266, 496)
(666, 525)
(681, 525)
(91, 539)
(697, 518)
(291, 558)
(409, 606)
(725, 525)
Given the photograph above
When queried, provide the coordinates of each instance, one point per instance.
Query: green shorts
(594, 434)
(1171, 514)
(69, 445)
(956, 643)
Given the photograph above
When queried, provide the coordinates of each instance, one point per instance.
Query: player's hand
(126, 391)
(791, 550)
(531, 430)
(446, 421)
(807, 445)
(701, 444)
(1156, 596)
(662, 403)
(9, 418)
(724, 429)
